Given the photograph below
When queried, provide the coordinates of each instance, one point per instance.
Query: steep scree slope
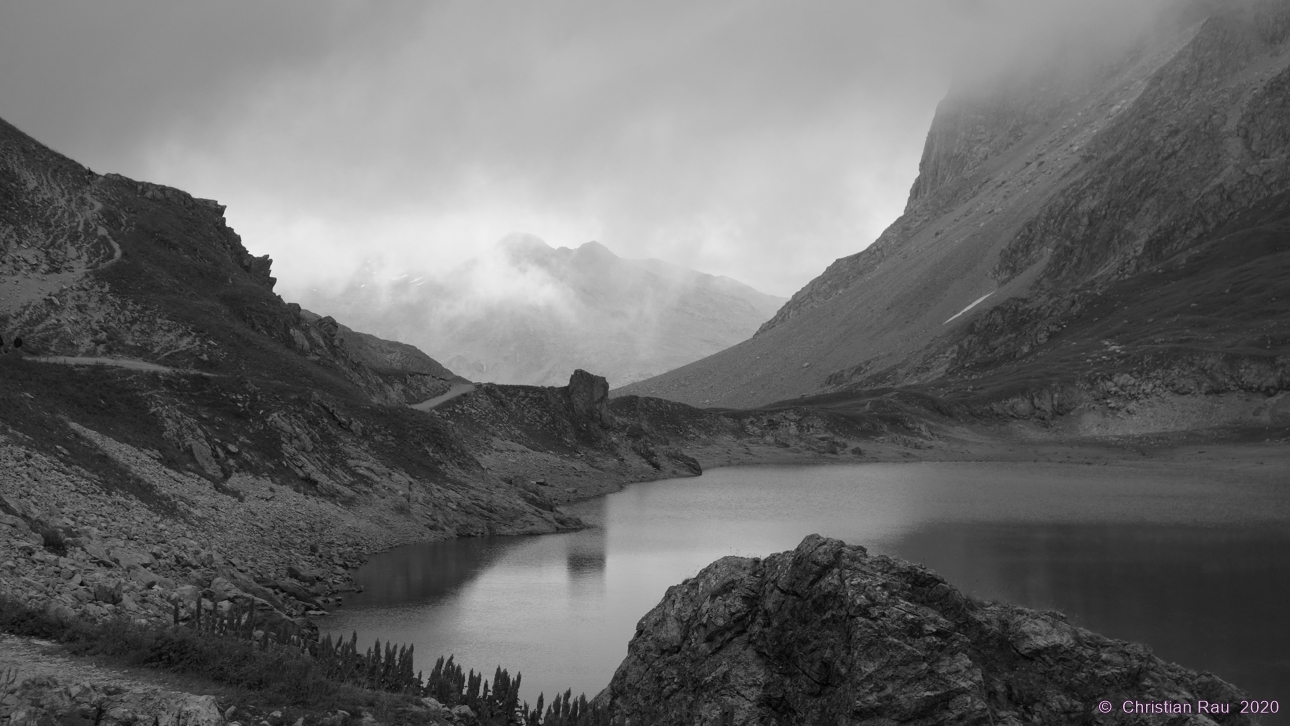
(1040, 199)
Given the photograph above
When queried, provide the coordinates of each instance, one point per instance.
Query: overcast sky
(759, 140)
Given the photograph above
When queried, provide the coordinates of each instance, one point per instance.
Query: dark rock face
(259, 269)
(589, 398)
(827, 634)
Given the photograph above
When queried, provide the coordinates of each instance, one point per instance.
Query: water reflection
(427, 572)
(587, 555)
(1196, 564)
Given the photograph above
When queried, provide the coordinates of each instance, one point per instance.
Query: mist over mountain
(1085, 228)
(527, 313)
(1089, 279)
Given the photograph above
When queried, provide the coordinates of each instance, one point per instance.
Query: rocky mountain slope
(170, 427)
(103, 266)
(827, 633)
(169, 422)
(525, 313)
(1085, 233)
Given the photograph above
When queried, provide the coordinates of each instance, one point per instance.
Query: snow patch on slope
(969, 307)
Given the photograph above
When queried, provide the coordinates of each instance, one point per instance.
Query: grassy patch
(37, 400)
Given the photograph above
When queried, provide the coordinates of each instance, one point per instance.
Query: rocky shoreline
(87, 552)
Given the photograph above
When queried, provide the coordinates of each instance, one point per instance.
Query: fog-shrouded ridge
(524, 312)
(746, 138)
(1058, 205)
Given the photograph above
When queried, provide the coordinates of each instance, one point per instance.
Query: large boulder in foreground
(827, 634)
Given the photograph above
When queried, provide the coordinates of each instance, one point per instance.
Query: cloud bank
(746, 138)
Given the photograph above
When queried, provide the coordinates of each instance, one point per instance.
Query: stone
(225, 590)
(108, 592)
(463, 712)
(127, 558)
(434, 706)
(201, 451)
(186, 593)
(251, 587)
(192, 711)
(304, 574)
(120, 715)
(827, 633)
(1032, 635)
(43, 700)
(295, 590)
(17, 507)
(98, 553)
(17, 523)
(145, 578)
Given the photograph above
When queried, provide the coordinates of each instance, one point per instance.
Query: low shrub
(271, 667)
(53, 539)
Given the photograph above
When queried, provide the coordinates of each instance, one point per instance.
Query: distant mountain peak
(527, 313)
(523, 245)
(595, 250)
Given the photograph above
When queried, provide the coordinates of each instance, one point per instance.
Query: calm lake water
(1194, 563)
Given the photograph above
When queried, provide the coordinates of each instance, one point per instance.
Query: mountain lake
(1194, 562)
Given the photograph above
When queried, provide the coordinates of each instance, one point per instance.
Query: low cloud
(747, 138)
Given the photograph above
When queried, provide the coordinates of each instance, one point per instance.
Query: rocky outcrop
(828, 634)
(589, 401)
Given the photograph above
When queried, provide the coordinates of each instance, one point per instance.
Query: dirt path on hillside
(130, 363)
(460, 389)
(22, 658)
